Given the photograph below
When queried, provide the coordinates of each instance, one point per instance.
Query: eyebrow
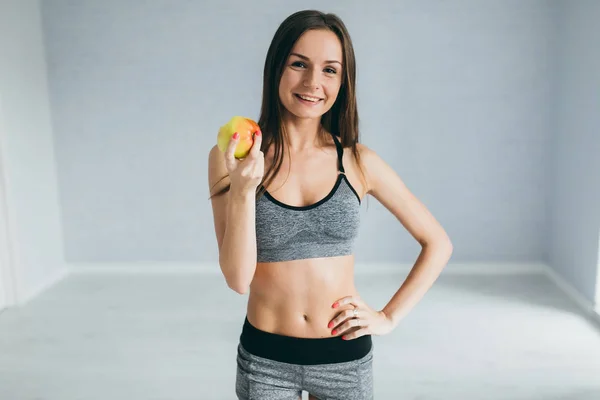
(306, 58)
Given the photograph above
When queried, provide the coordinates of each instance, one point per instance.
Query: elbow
(235, 277)
(238, 288)
(235, 283)
(442, 246)
(446, 249)
(447, 246)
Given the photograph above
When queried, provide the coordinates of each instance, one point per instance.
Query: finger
(349, 324)
(354, 300)
(255, 150)
(229, 152)
(356, 334)
(341, 317)
(259, 166)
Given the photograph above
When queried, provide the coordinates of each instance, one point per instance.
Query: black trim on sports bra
(341, 176)
(308, 207)
(340, 152)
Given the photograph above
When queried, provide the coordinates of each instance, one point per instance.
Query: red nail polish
(335, 304)
(333, 332)
(257, 133)
(344, 337)
(330, 325)
(236, 135)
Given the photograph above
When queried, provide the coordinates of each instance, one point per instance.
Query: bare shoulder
(370, 164)
(378, 172)
(386, 185)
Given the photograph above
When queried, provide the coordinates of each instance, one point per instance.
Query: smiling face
(312, 76)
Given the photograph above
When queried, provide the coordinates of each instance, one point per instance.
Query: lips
(310, 98)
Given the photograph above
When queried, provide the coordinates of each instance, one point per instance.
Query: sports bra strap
(340, 152)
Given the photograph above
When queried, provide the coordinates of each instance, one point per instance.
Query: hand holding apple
(245, 174)
(245, 127)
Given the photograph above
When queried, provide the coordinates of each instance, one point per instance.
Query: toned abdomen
(294, 298)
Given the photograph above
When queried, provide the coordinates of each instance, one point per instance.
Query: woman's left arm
(387, 187)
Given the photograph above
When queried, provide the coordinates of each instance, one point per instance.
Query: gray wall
(574, 185)
(455, 96)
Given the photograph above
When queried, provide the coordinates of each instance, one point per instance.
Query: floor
(174, 337)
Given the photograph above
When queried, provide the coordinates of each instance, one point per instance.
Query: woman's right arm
(234, 211)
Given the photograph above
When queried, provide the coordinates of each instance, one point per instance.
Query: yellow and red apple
(246, 128)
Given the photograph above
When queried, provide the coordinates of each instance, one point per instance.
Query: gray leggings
(261, 378)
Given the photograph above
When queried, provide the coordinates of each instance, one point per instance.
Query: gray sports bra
(327, 228)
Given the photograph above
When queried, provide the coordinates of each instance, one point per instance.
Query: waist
(296, 298)
(302, 351)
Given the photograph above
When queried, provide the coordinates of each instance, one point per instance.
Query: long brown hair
(341, 119)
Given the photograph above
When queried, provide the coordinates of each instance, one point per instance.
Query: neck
(303, 134)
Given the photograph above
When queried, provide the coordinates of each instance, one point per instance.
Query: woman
(287, 215)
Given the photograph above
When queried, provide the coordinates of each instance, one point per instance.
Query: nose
(311, 78)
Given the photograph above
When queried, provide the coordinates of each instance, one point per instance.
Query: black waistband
(303, 351)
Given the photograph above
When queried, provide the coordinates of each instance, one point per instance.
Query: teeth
(313, 99)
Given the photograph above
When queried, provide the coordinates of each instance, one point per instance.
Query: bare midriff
(295, 298)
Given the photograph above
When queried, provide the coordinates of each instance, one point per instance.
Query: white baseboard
(361, 268)
(26, 295)
(473, 268)
(586, 305)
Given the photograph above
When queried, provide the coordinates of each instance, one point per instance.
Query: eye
(331, 71)
(298, 64)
